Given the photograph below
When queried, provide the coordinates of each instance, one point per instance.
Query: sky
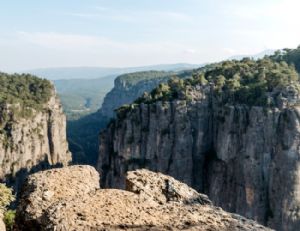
(122, 33)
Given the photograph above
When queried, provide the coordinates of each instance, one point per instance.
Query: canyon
(245, 158)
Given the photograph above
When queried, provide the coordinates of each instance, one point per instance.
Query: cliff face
(125, 92)
(129, 87)
(32, 143)
(83, 133)
(246, 159)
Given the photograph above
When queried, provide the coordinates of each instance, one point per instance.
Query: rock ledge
(71, 199)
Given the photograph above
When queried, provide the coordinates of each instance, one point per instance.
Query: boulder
(162, 188)
(70, 199)
(43, 189)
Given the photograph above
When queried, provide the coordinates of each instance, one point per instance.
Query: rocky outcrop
(70, 199)
(246, 159)
(162, 188)
(43, 189)
(32, 143)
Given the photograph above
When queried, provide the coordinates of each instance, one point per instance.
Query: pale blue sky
(54, 33)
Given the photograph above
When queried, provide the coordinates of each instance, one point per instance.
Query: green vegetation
(133, 79)
(83, 137)
(83, 133)
(290, 56)
(244, 82)
(6, 197)
(81, 97)
(9, 219)
(20, 97)
(24, 93)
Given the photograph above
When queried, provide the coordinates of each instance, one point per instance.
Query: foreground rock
(162, 188)
(43, 189)
(70, 199)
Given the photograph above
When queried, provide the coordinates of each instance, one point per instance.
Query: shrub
(9, 219)
(6, 197)
(26, 93)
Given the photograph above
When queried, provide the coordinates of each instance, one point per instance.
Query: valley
(149, 115)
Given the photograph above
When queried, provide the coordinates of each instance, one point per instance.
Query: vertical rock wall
(246, 159)
(33, 143)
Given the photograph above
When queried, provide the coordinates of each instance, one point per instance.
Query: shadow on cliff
(83, 134)
(16, 180)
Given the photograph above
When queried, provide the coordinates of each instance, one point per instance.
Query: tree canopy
(25, 92)
(248, 82)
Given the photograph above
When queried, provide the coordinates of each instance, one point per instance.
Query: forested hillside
(24, 93)
(244, 82)
(81, 97)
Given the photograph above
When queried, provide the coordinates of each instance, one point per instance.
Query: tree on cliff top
(24, 92)
(245, 82)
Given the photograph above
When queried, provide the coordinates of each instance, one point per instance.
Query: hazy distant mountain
(254, 56)
(82, 89)
(82, 96)
(99, 72)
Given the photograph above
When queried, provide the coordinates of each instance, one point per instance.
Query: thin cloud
(132, 16)
(190, 51)
(171, 15)
(229, 51)
(89, 43)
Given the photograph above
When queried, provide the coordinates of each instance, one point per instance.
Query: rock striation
(33, 143)
(245, 158)
(74, 201)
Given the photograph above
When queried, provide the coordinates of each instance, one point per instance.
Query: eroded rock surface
(43, 189)
(162, 188)
(78, 204)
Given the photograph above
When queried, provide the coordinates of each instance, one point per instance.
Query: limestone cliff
(245, 158)
(32, 142)
(83, 133)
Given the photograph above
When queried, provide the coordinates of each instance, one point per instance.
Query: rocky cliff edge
(71, 199)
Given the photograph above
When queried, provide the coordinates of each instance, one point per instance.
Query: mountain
(100, 72)
(82, 89)
(80, 97)
(32, 127)
(83, 133)
(231, 132)
(129, 87)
